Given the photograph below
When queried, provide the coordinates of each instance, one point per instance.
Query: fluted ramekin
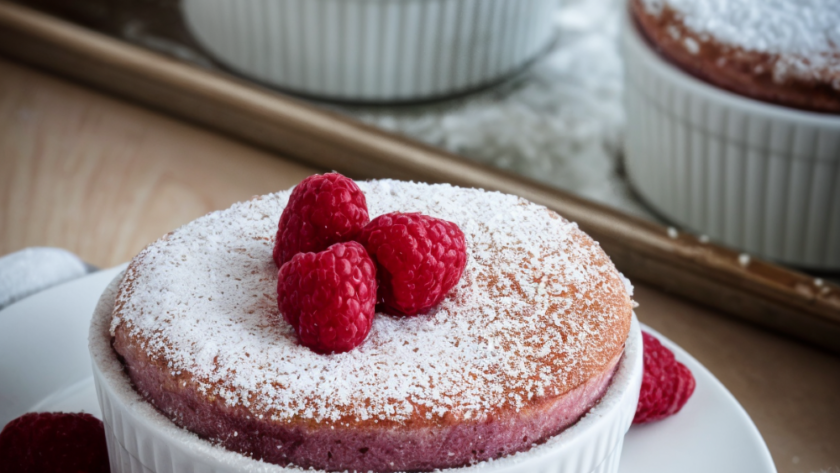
(141, 440)
(755, 176)
(372, 50)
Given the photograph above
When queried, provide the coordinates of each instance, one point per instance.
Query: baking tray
(756, 291)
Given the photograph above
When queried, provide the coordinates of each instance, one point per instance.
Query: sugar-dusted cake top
(539, 309)
(803, 34)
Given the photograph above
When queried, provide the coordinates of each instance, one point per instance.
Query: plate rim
(88, 288)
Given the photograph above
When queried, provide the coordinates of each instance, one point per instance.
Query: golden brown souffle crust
(523, 346)
(744, 72)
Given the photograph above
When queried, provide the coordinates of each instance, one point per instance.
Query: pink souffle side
(520, 349)
(372, 448)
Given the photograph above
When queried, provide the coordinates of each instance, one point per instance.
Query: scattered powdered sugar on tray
(561, 122)
(805, 34)
(522, 321)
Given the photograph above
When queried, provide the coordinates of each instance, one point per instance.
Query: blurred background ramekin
(755, 176)
(373, 50)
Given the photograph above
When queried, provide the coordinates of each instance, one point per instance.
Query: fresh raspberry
(666, 386)
(322, 210)
(329, 297)
(54, 442)
(418, 259)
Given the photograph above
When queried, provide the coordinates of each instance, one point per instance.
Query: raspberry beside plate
(54, 442)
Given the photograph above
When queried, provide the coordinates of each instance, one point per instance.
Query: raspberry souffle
(782, 51)
(497, 324)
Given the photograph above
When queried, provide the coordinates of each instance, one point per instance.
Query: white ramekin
(372, 50)
(141, 440)
(752, 175)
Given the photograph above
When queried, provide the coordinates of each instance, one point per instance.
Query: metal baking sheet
(759, 292)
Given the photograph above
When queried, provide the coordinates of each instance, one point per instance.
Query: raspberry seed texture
(329, 297)
(666, 384)
(322, 210)
(54, 442)
(419, 260)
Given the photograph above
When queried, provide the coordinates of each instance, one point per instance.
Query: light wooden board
(102, 178)
(765, 294)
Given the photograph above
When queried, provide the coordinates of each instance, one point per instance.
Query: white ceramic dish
(44, 365)
(752, 175)
(372, 50)
(141, 439)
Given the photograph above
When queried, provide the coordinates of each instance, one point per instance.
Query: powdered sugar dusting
(519, 324)
(804, 34)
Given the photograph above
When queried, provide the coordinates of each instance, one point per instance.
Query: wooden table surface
(102, 178)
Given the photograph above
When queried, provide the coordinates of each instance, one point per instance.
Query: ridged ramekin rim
(631, 37)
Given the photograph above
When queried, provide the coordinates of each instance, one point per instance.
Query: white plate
(44, 366)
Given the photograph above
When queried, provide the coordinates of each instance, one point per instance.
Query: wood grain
(103, 179)
(762, 293)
